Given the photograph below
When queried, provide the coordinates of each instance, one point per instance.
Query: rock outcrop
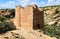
(25, 34)
(51, 15)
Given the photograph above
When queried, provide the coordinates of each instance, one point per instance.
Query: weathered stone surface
(26, 34)
(34, 5)
(51, 16)
(17, 19)
(29, 17)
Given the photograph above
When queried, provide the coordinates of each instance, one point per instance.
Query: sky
(39, 3)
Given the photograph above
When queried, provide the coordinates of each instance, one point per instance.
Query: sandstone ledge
(27, 34)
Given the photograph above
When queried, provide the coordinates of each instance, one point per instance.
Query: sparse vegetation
(52, 30)
(6, 26)
(51, 6)
(2, 18)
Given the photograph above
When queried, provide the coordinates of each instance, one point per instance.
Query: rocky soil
(25, 34)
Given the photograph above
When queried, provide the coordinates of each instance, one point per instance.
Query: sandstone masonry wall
(29, 17)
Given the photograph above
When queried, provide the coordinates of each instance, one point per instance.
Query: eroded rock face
(29, 17)
(52, 16)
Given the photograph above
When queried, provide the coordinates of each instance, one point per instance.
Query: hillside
(51, 18)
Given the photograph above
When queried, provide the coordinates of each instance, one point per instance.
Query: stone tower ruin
(29, 17)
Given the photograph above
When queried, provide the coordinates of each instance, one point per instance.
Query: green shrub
(6, 26)
(2, 18)
(52, 30)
